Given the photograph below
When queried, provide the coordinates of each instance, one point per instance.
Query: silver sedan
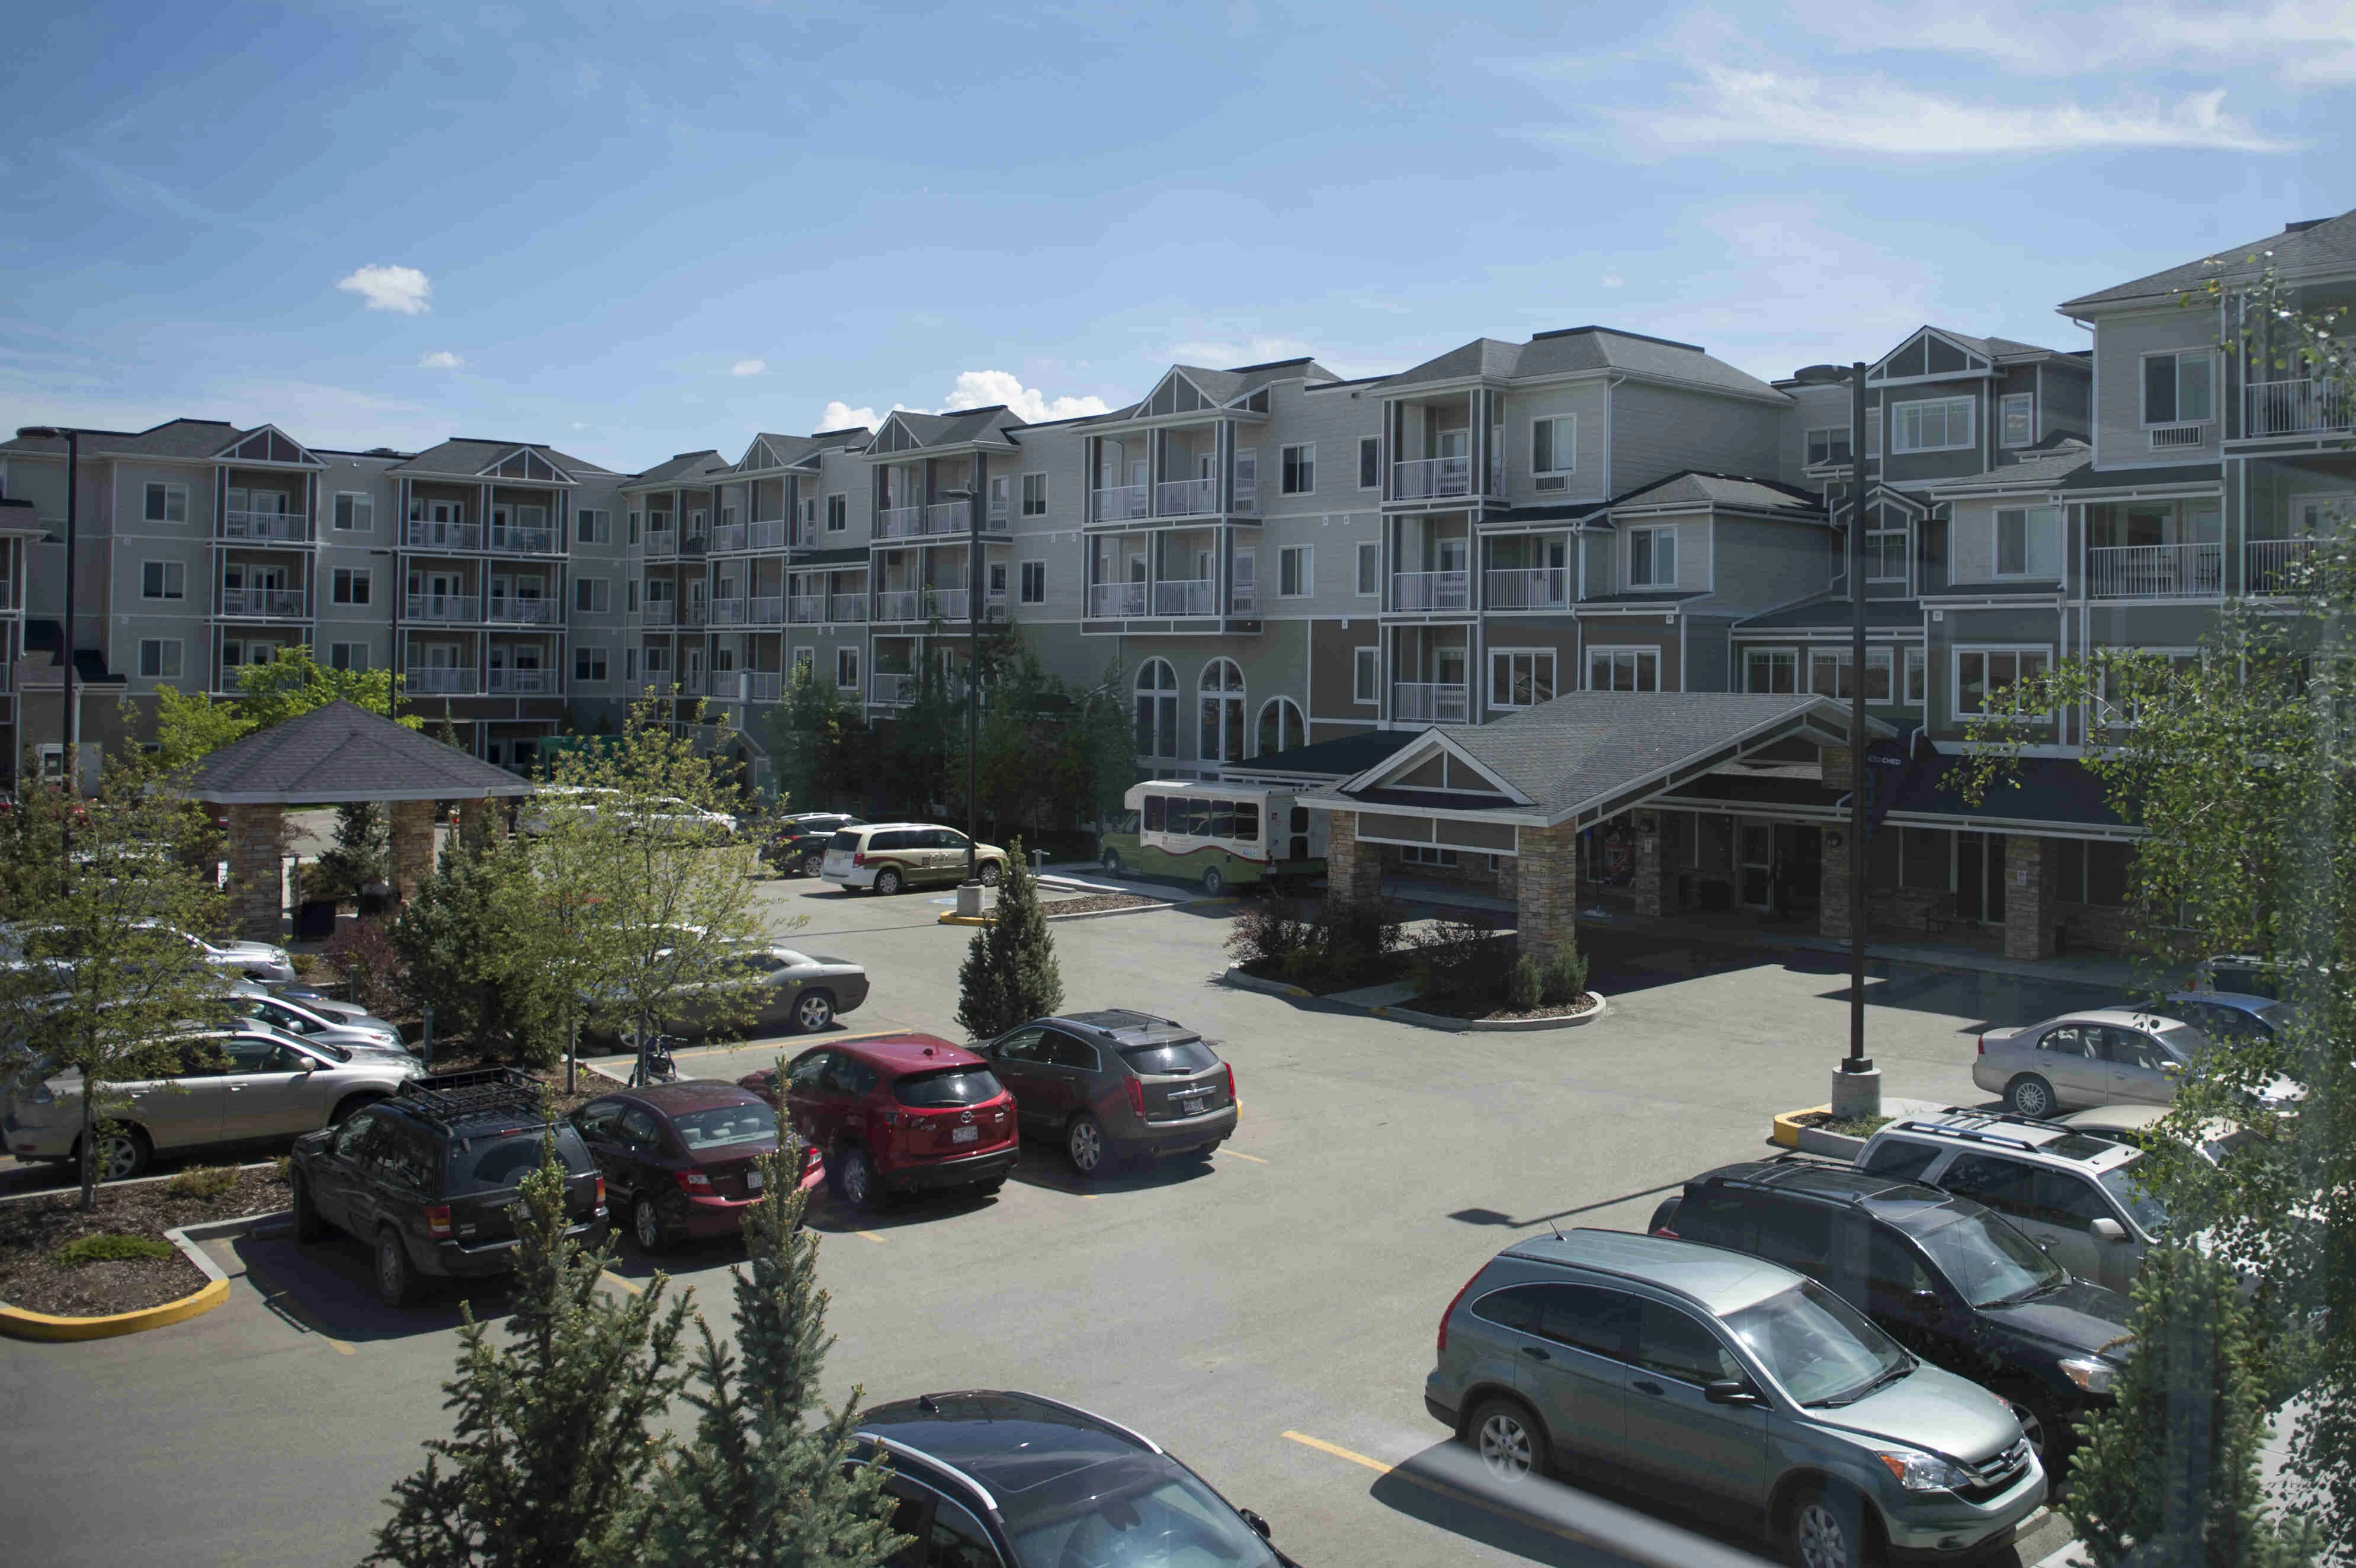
(793, 992)
(2104, 1056)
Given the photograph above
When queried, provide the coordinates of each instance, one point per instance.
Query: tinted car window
(720, 1125)
(902, 840)
(1893, 1268)
(2071, 1200)
(639, 1129)
(1179, 1056)
(1517, 1308)
(1065, 1051)
(1796, 1234)
(806, 1070)
(845, 842)
(2004, 1185)
(2069, 1039)
(2120, 1181)
(1676, 1345)
(848, 1075)
(596, 1120)
(1718, 1217)
(1589, 1318)
(491, 1164)
(947, 1086)
(1022, 1045)
(1906, 1161)
(1984, 1258)
(404, 1155)
(354, 1136)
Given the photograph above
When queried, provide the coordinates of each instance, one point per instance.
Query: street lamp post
(970, 891)
(70, 730)
(393, 663)
(1856, 1087)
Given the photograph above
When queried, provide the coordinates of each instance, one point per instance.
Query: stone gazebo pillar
(257, 881)
(1546, 890)
(412, 846)
(1353, 871)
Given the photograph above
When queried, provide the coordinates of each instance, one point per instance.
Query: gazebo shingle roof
(342, 752)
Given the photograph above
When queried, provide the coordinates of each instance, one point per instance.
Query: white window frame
(2143, 386)
(1032, 569)
(837, 512)
(1899, 446)
(1304, 580)
(2027, 568)
(1507, 658)
(357, 504)
(1767, 655)
(1636, 653)
(1652, 537)
(598, 661)
(1370, 580)
(165, 655)
(846, 667)
(1034, 494)
(351, 586)
(1874, 555)
(1366, 675)
(1916, 691)
(805, 661)
(2025, 405)
(1842, 431)
(593, 525)
(1884, 659)
(1001, 494)
(174, 496)
(352, 657)
(1376, 442)
(598, 590)
(1288, 467)
(1554, 445)
(167, 572)
(1984, 651)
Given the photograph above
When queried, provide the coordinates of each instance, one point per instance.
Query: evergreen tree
(359, 856)
(1008, 975)
(551, 1442)
(2170, 1475)
(766, 1482)
(458, 937)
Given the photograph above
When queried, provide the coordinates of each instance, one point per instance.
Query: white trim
(1560, 467)
(2004, 406)
(1553, 675)
(1971, 424)
(1955, 655)
(1365, 658)
(1305, 580)
(1612, 653)
(1649, 533)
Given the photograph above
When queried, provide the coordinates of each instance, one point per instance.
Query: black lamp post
(392, 665)
(70, 730)
(1856, 1087)
(972, 694)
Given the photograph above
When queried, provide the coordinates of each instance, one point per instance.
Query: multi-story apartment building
(1274, 560)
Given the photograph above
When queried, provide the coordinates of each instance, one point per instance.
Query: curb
(111, 1186)
(18, 1323)
(1240, 980)
(1789, 1132)
(953, 918)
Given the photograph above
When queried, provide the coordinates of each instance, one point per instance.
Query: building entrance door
(1799, 869)
(1979, 877)
(1758, 867)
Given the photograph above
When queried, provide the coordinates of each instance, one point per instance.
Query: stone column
(1546, 890)
(1832, 896)
(412, 846)
(1353, 870)
(256, 879)
(474, 814)
(1647, 883)
(2030, 897)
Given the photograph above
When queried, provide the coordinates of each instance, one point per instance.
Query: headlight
(2091, 1373)
(1921, 1472)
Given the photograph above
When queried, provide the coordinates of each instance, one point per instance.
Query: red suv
(895, 1116)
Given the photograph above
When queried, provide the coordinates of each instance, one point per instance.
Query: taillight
(1983, 1046)
(893, 1118)
(1231, 1082)
(601, 1192)
(1451, 1312)
(692, 1182)
(1137, 1098)
(437, 1220)
(859, 857)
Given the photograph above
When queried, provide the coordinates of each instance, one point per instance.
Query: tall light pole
(972, 696)
(392, 665)
(70, 730)
(1856, 1087)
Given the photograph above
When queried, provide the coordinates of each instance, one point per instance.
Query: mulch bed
(1460, 1008)
(1089, 904)
(33, 1228)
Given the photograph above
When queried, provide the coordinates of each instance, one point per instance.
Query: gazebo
(330, 755)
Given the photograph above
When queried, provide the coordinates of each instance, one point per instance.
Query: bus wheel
(1214, 884)
(1111, 862)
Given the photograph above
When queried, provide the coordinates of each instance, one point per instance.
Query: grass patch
(206, 1181)
(1858, 1127)
(110, 1249)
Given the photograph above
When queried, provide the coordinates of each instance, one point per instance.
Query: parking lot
(1269, 1319)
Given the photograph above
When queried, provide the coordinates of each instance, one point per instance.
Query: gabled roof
(686, 468)
(475, 458)
(1931, 352)
(342, 752)
(2043, 471)
(905, 430)
(2318, 249)
(181, 438)
(1578, 349)
(1695, 488)
(1831, 612)
(1336, 759)
(269, 446)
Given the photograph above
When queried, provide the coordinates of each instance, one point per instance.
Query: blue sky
(633, 231)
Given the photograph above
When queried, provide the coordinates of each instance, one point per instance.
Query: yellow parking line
(1339, 1452)
(1452, 1494)
(1239, 1154)
(870, 1235)
(629, 1285)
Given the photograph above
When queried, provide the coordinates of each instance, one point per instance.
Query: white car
(255, 960)
(669, 814)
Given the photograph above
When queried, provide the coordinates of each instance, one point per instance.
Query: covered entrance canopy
(330, 755)
(1522, 788)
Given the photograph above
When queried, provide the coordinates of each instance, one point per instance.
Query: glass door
(1758, 867)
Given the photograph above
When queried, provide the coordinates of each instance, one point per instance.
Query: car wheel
(990, 873)
(396, 1277)
(122, 1153)
(2048, 1434)
(813, 1011)
(307, 1228)
(646, 1226)
(2030, 1095)
(1510, 1444)
(859, 1184)
(335, 1119)
(1214, 884)
(887, 881)
(1085, 1141)
(1111, 863)
(1826, 1529)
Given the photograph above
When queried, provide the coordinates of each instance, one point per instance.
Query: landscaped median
(1391, 1001)
(1815, 1130)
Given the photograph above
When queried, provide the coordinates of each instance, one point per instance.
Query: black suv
(797, 843)
(430, 1177)
(1951, 1280)
(1115, 1084)
(991, 1480)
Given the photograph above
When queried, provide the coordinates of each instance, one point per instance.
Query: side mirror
(2108, 1230)
(1729, 1390)
(1924, 1301)
(1260, 1525)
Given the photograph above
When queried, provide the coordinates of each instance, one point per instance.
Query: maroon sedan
(677, 1158)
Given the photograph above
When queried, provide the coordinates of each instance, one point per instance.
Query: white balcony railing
(1527, 588)
(1116, 598)
(1119, 503)
(1186, 497)
(727, 539)
(763, 685)
(1428, 478)
(2268, 565)
(994, 608)
(769, 535)
(768, 612)
(945, 604)
(948, 518)
(523, 610)
(807, 609)
(1199, 597)
(842, 607)
(522, 682)
(423, 533)
(897, 605)
(694, 683)
(899, 522)
(281, 603)
(2299, 407)
(728, 611)
(1431, 590)
(252, 525)
(441, 680)
(659, 613)
(1429, 702)
(696, 614)
(2156, 572)
(662, 543)
(893, 687)
(516, 540)
(442, 607)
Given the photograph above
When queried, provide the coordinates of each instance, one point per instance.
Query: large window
(1034, 583)
(1554, 445)
(1885, 554)
(846, 667)
(163, 579)
(591, 525)
(1520, 678)
(356, 513)
(1370, 569)
(593, 595)
(159, 658)
(1365, 675)
(1300, 470)
(1830, 671)
(167, 504)
(349, 585)
(589, 664)
(1295, 577)
(1220, 705)
(1157, 710)
(2178, 388)
(1936, 424)
(1985, 678)
(1652, 558)
(1281, 726)
(1034, 495)
(1370, 463)
(347, 655)
(1829, 444)
(838, 514)
(2029, 541)
(1771, 670)
(1624, 669)
(2018, 414)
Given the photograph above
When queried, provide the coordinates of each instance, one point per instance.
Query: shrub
(285, 1165)
(110, 1249)
(1270, 930)
(305, 963)
(1461, 959)
(373, 967)
(1565, 976)
(1526, 992)
(206, 1181)
(1356, 935)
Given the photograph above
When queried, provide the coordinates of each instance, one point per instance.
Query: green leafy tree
(767, 1481)
(188, 727)
(2170, 1475)
(1108, 739)
(1010, 975)
(818, 744)
(550, 1442)
(926, 739)
(456, 936)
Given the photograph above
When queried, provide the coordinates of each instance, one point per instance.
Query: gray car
(1116, 1084)
(2104, 1056)
(1722, 1379)
(793, 992)
(253, 1084)
(305, 1022)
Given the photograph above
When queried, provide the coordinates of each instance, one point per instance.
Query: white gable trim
(1406, 759)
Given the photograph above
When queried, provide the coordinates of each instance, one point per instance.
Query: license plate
(1190, 1107)
(965, 1135)
(753, 1179)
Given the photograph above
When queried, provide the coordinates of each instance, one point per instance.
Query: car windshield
(724, 1124)
(1146, 1512)
(1984, 1257)
(327, 1047)
(494, 1161)
(2183, 1041)
(1817, 1346)
(946, 1086)
(1177, 1056)
(2129, 1193)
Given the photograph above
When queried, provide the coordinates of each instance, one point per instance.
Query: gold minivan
(890, 855)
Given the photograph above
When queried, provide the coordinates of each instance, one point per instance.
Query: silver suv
(1711, 1376)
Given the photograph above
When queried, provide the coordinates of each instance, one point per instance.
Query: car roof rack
(473, 1094)
(1982, 1131)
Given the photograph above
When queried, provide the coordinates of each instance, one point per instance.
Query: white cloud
(840, 415)
(1612, 280)
(404, 289)
(747, 367)
(1251, 349)
(442, 359)
(2308, 42)
(981, 389)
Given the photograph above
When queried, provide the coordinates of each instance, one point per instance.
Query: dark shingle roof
(173, 438)
(343, 752)
(1830, 611)
(2043, 472)
(2325, 248)
(688, 467)
(978, 427)
(1696, 487)
(1340, 758)
(468, 456)
(2170, 476)
(1583, 348)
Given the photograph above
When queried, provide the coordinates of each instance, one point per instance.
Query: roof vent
(1819, 375)
(2303, 224)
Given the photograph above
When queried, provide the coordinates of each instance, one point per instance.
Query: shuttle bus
(1218, 835)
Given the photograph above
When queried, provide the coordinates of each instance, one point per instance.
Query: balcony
(1431, 478)
(728, 611)
(1429, 702)
(1186, 497)
(946, 603)
(516, 540)
(900, 523)
(893, 687)
(1527, 588)
(1432, 591)
(694, 683)
(994, 608)
(1121, 503)
(2270, 566)
(768, 612)
(728, 539)
(659, 613)
(762, 685)
(949, 517)
(440, 680)
(522, 682)
(2299, 407)
(696, 613)
(1116, 598)
(807, 609)
(282, 526)
(661, 543)
(442, 607)
(1197, 597)
(421, 534)
(842, 607)
(522, 610)
(2156, 572)
(770, 535)
(897, 605)
(281, 603)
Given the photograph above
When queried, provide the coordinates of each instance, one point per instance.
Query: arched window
(1281, 728)
(1157, 710)
(1222, 705)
